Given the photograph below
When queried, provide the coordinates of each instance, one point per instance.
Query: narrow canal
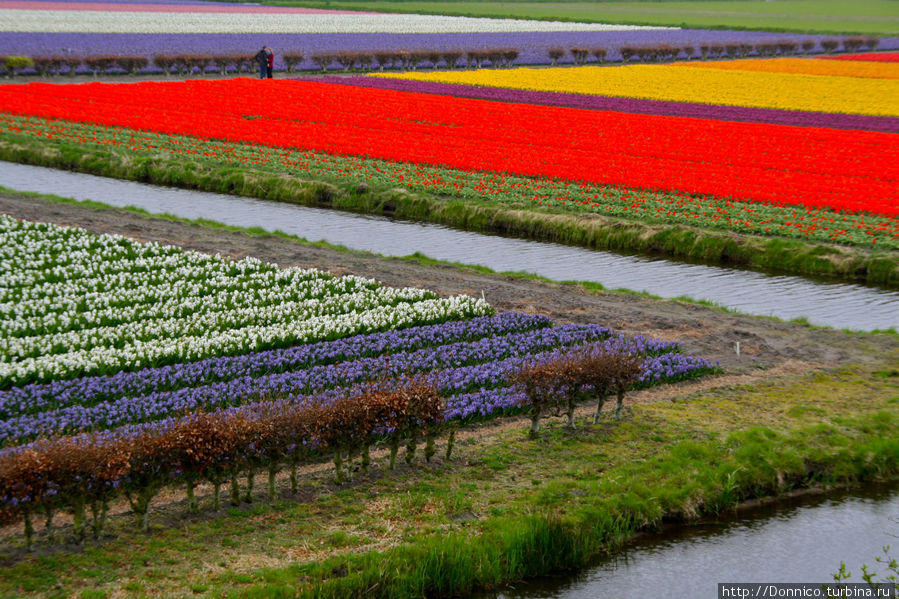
(838, 305)
(800, 540)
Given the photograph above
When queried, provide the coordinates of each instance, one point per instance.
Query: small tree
(17, 63)
(509, 56)
(475, 57)
(46, 65)
(599, 54)
(542, 386)
(829, 45)
(292, 60)
(787, 47)
(853, 44)
(452, 58)
(165, 62)
(871, 42)
(222, 62)
(133, 64)
(322, 60)
(555, 53)
(808, 46)
(579, 55)
(384, 59)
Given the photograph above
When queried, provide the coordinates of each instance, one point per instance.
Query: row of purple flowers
(89, 390)
(479, 369)
(632, 105)
(533, 47)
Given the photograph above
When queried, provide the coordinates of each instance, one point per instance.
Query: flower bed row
(804, 66)
(534, 47)
(138, 461)
(75, 21)
(821, 224)
(869, 56)
(39, 397)
(97, 313)
(734, 84)
(189, 64)
(290, 428)
(833, 120)
(813, 168)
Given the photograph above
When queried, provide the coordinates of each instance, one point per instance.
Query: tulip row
(832, 120)
(804, 66)
(89, 316)
(293, 429)
(820, 224)
(453, 368)
(872, 56)
(35, 398)
(735, 84)
(814, 167)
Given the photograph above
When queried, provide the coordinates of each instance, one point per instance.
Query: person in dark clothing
(262, 60)
(270, 61)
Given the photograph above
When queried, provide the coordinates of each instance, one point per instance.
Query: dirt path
(766, 346)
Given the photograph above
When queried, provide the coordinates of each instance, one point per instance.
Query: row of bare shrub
(662, 52)
(561, 383)
(183, 64)
(188, 64)
(91, 470)
(405, 59)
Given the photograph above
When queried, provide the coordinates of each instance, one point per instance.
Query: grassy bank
(591, 230)
(506, 507)
(872, 17)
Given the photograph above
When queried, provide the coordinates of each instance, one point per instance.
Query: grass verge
(771, 254)
(505, 508)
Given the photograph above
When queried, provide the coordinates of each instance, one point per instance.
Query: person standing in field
(262, 60)
(269, 61)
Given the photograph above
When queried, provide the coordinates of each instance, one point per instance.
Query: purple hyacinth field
(468, 361)
(532, 46)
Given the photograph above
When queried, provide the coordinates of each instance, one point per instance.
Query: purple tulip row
(451, 363)
(633, 105)
(85, 391)
(532, 46)
(454, 368)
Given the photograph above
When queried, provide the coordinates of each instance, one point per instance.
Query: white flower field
(75, 303)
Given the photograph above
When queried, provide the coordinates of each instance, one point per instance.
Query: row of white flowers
(195, 306)
(73, 21)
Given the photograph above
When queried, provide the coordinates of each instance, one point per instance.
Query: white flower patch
(73, 303)
(64, 21)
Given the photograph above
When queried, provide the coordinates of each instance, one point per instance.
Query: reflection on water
(799, 540)
(837, 305)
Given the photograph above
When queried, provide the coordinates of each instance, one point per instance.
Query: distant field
(874, 17)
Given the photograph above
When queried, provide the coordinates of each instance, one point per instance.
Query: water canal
(839, 305)
(803, 539)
